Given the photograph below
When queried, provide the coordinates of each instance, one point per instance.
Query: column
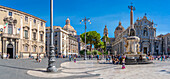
(60, 43)
(21, 29)
(4, 47)
(16, 53)
(38, 39)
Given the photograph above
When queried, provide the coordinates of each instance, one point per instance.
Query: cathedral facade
(145, 30)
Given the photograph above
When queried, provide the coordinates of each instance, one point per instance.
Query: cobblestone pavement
(17, 68)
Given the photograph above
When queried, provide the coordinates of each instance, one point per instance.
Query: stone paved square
(18, 69)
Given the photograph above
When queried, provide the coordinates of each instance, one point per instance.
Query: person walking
(97, 58)
(112, 59)
(74, 58)
(123, 63)
(69, 57)
(91, 57)
(161, 57)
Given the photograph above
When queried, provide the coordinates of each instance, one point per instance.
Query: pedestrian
(8, 55)
(69, 57)
(120, 59)
(16, 56)
(74, 58)
(123, 63)
(164, 57)
(106, 58)
(37, 59)
(89, 57)
(112, 59)
(161, 57)
(97, 58)
(0, 54)
(140, 57)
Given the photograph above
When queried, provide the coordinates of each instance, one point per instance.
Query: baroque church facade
(145, 30)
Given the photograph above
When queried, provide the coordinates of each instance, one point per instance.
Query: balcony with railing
(7, 35)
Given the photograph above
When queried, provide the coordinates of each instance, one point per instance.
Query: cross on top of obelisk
(131, 7)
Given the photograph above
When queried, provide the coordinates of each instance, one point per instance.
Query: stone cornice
(22, 13)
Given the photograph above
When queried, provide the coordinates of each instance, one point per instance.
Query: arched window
(10, 29)
(145, 32)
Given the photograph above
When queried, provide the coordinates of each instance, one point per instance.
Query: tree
(83, 51)
(99, 45)
(92, 38)
(99, 53)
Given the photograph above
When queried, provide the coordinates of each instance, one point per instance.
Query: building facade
(145, 30)
(64, 41)
(21, 34)
(163, 44)
(81, 45)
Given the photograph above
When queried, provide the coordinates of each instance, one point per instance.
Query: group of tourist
(116, 59)
(72, 57)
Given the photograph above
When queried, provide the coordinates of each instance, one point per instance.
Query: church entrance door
(145, 50)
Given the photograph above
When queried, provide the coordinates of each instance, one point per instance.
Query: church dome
(120, 27)
(68, 27)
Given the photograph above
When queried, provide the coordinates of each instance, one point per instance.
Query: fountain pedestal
(133, 53)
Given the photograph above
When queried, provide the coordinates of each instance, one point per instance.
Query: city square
(18, 69)
(100, 41)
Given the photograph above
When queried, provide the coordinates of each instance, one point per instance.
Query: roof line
(21, 12)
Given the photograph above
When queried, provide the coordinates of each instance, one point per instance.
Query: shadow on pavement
(21, 68)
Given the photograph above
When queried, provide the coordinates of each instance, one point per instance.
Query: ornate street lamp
(51, 59)
(85, 20)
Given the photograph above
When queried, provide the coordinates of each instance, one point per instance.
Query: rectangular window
(41, 24)
(34, 21)
(26, 18)
(26, 48)
(41, 49)
(26, 34)
(10, 14)
(34, 49)
(34, 36)
(41, 37)
(10, 29)
(55, 42)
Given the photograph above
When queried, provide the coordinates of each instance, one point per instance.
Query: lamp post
(51, 59)
(162, 46)
(85, 20)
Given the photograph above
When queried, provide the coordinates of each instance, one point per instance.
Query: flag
(19, 28)
(5, 25)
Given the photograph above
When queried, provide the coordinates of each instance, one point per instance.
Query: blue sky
(101, 12)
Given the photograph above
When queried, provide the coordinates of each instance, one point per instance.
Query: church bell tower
(105, 31)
